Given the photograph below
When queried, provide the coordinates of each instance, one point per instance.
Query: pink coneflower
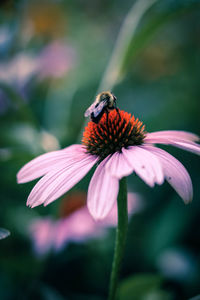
(120, 146)
(75, 223)
(55, 60)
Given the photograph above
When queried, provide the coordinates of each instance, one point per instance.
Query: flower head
(120, 146)
(113, 134)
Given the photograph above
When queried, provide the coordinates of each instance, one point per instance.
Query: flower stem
(120, 237)
(113, 71)
(125, 36)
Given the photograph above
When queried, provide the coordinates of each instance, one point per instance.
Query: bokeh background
(53, 55)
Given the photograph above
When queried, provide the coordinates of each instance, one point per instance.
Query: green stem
(120, 238)
(126, 34)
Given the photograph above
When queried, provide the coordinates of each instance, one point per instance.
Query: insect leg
(117, 110)
(107, 117)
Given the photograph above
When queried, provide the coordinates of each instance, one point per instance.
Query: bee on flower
(104, 102)
(119, 145)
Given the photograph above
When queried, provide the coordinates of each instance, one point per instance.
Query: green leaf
(139, 286)
(24, 110)
(151, 28)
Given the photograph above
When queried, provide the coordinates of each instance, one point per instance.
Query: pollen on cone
(114, 131)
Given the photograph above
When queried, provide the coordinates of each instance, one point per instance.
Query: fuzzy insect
(104, 102)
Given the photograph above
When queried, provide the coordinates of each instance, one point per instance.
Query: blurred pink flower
(19, 69)
(78, 225)
(121, 146)
(55, 60)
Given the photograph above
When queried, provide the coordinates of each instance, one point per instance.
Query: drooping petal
(59, 181)
(44, 163)
(182, 135)
(118, 166)
(175, 174)
(192, 147)
(180, 139)
(102, 192)
(145, 164)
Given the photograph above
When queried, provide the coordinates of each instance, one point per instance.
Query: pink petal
(102, 192)
(181, 135)
(145, 164)
(118, 166)
(192, 147)
(57, 182)
(44, 163)
(183, 140)
(175, 174)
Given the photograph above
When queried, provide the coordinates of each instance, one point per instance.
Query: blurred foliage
(145, 286)
(43, 111)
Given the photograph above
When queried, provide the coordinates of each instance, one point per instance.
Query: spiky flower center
(113, 132)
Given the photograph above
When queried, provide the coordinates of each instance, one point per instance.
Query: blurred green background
(53, 55)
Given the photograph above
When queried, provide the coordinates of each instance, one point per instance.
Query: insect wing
(99, 108)
(90, 109)
(4, 233)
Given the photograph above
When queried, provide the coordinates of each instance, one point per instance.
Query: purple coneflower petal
(192, 147)
(44, 163)
(180, 139)
(175, 173)
(181, 135)
(102, 192)
(59, 181)
(118, 166)
(145, 164)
